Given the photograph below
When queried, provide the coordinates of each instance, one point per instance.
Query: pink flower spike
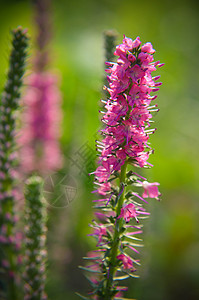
(125, 145)
(39, 136)
(150, 189)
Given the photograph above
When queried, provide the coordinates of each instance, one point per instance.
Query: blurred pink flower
(38, 140)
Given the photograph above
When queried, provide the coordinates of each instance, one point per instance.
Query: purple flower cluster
(125, 143)
(128, 110)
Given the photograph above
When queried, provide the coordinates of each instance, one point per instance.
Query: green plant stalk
(116, 237)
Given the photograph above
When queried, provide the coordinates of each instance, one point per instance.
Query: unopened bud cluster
(35, 240)
(9, 241)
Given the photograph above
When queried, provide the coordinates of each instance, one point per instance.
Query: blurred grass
(170, 265)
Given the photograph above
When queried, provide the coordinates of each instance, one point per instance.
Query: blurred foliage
(170, 264)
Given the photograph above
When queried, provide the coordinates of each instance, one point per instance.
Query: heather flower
(125, 145)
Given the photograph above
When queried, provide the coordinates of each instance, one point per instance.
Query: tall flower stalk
(39, 136)
(9, 104)
(35, 253)
(125, 146)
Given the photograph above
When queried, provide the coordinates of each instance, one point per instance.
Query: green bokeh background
(170, 257)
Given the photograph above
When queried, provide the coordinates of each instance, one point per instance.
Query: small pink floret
(126, 260)
(148, 48)
(128, 212)
(150, 189)
(100, 232)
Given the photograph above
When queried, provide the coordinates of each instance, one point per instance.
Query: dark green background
(170, 258)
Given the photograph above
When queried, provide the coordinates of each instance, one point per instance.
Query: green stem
(116, 237)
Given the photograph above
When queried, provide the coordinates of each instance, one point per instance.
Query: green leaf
(120, 298)
(134, 244)
(92, 258)
(133, 276)
(82, 297)
(89, 270)
(121, 277)
(132, 238)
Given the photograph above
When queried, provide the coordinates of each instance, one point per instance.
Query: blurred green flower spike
(35, 253)
(9, 242)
